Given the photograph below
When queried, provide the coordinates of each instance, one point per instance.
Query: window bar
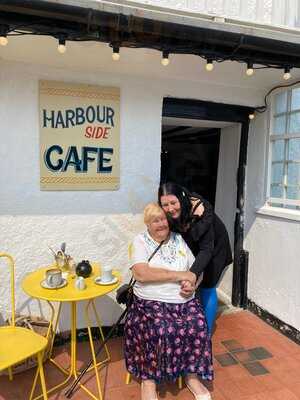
(286, 147)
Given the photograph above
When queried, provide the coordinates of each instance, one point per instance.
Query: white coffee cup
(53, 277)
(106, 274)
(80, 283)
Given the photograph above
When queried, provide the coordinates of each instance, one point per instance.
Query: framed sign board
(79, 136)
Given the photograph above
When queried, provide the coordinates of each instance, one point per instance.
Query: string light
(250, 70)
(287, 74)
(165, 58)
(3, 40)
(61, 45)
(3, 36)
(116, 53)
(6, 30)
(209, 65)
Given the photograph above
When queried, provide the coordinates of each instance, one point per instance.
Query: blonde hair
(152, 210)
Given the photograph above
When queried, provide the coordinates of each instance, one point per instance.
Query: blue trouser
(209, 300)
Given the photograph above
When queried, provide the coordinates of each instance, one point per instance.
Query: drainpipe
(241, 256)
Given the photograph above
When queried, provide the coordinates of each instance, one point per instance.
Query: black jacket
(208, 239)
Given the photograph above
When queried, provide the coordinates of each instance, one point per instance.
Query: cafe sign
(79, 136)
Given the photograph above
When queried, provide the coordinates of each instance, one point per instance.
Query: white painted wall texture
(271, 12)
(273, 243)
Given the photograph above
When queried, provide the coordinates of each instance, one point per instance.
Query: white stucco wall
(272, 242)
(226, 190)
(95, 225)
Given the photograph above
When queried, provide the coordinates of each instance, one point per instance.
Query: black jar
(84, 269)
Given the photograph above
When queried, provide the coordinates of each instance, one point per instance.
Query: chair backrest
(12, 284)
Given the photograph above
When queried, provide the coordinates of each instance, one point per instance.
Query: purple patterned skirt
(165, 340)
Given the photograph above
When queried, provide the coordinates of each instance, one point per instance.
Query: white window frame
(283, 202)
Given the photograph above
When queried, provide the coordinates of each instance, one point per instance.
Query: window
(284, 188)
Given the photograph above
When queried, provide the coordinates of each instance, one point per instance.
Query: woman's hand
(187, 289)
(188, 276)
(197, 206)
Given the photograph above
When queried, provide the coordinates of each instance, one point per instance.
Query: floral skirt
(165, 340)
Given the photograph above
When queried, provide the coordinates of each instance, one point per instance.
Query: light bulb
(3, 40)
(61, 46)
(287, 75)
(209, 65)
(116, 54)
(165, 58)
(251, 116)
(250, 70)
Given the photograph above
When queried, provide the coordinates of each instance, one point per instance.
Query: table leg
(72, 371)
(73, 338)
(94, 367)
(51, 330)
(101, 333)
(69, 373)
(63, 370)
(51, 327)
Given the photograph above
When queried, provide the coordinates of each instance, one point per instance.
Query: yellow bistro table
(69, 294)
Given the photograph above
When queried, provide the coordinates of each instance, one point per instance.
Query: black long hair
(183, 196)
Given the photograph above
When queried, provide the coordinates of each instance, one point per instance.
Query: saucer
(45, 285)
(98, 281)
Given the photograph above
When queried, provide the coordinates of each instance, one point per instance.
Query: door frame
(206, 110)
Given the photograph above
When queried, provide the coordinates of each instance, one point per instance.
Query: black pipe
(240, 262)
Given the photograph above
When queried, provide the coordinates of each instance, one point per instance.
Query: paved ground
(252, 362)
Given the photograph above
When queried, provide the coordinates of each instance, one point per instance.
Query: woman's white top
(174, 255)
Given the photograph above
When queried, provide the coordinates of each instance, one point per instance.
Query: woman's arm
(142, 272)
(201, 223)
(205, 252)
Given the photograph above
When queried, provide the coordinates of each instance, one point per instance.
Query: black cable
(204, 53)
(262, 109)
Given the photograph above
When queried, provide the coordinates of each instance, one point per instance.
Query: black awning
(85, 24)
(205, 110)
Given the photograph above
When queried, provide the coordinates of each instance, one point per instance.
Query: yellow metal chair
(16, 343)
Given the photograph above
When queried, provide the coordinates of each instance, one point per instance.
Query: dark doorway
(190, 157)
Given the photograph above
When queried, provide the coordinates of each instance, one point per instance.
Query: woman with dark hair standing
(206, 235)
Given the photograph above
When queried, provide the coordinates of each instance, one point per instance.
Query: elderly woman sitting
(165, 333)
